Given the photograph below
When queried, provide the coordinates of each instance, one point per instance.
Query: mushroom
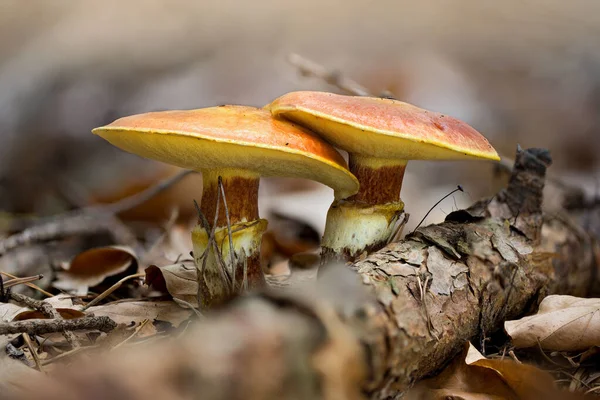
(380, 135)
(234, 145)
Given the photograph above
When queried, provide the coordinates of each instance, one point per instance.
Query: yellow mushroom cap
(233, 138)
(383, 128)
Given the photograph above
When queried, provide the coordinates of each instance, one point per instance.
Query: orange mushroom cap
(383, 128)
(232, 138)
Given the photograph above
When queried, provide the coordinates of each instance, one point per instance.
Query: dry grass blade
(33, 351)
(111, 289)
(20, 281)
(231, 252)
(29, 284)
(134, 334)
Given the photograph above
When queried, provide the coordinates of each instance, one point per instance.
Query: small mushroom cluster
(233, 146)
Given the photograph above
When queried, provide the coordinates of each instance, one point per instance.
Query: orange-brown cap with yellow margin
(232, 137)
(383, 128)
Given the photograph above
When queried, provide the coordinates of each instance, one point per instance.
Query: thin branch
(88, 220)
(48, 311)
(43, 326)
(310, 68)
(139, 198)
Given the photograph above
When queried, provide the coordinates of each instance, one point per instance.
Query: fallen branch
(388, 321)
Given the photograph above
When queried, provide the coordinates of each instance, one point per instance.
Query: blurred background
(520, 71)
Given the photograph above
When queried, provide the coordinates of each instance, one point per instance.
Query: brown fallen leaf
(66, 313)
(8, 311)
(138, 311)
(174, 245)
(471, 376)
(13, 370)
(93, 266)
(563, 323)
(179, 280)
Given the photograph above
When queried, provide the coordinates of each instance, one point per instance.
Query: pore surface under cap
(232, 137)
(383, 128)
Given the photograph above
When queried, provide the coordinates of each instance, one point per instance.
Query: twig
(48, 311)
(42, 326)
(88, 220)
(111, 289)
(33, 351)
(334, 78)
(139, 198)
(66, 225)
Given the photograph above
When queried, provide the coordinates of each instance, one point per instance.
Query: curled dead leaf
(179, 280)
(92, 267)
(563, 323)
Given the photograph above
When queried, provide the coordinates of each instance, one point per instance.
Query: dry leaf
(93, 266)
(66, 313)
(138, 311)
(60, 301)
(8, 311)
(174, 245)
(179, 280)
(13, 372)
(563, 323)
(471, 376)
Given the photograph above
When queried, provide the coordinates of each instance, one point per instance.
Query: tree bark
(399, 316)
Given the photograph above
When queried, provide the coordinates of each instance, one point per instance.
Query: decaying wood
(397, 316)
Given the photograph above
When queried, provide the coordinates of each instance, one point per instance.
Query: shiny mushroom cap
(232, 138)
(383, 128)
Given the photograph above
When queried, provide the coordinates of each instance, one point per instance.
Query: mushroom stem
(380, 179)
(221, 274)
(365, 221)
(241, 192)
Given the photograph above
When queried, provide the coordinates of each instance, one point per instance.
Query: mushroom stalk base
(221, 276)
(353, 228)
